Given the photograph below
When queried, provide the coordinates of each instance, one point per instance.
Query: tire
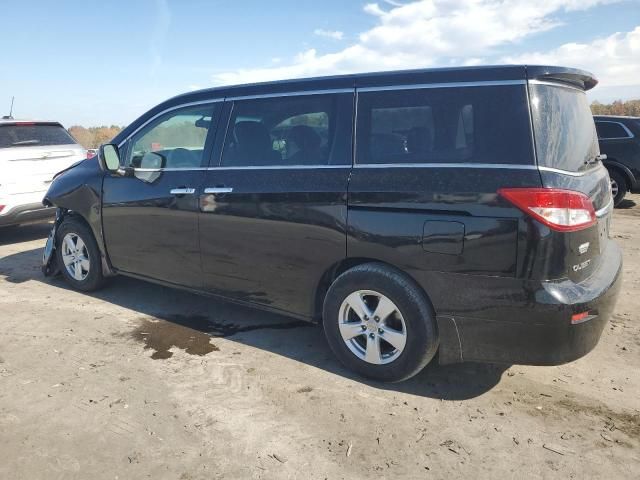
(88, 257)
(377, 284)
(618, 185)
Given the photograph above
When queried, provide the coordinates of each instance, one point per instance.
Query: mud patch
(192, 333)
(161, 336)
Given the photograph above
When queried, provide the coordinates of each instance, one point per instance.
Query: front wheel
(78, 255)
(379, 323)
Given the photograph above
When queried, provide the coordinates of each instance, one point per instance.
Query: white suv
(31, 153)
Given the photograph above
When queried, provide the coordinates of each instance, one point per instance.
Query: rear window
(488, 124)
(564, 129)
(33, 136)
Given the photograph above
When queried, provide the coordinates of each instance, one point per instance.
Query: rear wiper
(25, 142)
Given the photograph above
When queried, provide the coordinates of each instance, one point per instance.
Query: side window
(281, 131)
(610, 130)
(174, 140)
(441, 125)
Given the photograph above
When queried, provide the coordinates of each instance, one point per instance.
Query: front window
(175, 140)
(564, 129)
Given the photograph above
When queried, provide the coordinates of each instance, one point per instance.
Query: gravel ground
(140, 381)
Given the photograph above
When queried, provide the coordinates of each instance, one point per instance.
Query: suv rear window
(487, 124)
(33, 135)
(564, 129)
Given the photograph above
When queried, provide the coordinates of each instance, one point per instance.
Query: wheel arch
(624, 170)
(107, 269)
(342, 266)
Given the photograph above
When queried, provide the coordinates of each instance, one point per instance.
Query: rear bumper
(29, 213)
(543, 333)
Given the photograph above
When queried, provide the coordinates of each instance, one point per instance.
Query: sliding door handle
(182, 191)
(218, 190)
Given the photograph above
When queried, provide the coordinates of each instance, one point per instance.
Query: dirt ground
(140, 381)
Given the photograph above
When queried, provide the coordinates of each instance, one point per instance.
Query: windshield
(30, 135)
(563, 126)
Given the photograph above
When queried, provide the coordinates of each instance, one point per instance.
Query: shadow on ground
(24, 233)
(626, 203)
(188, 314)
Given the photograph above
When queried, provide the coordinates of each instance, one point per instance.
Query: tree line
(93, 137)
(630, 108)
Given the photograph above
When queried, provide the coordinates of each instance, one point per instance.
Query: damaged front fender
(50, 266)
(77, 191)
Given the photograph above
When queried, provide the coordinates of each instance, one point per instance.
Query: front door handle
(182, 191)
(218, 190)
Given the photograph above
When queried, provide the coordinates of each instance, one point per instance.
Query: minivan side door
(274, 205)
(150, 219)
(429, 162)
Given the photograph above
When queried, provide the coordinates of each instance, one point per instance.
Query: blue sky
(93, 62)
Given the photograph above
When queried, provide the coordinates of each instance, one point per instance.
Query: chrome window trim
(167, 110)
(447, 165)
(605, 210)
(567, 172)
(170, 169)
(376, 165)
(624, 127)
(250, 167)
(556, 84)
(278, 167)
(297, 93)
(420, 86)
(475, 165)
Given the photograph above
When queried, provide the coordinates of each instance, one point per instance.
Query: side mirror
(109, 157)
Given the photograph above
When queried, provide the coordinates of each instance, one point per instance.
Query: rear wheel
(78, 255)
(618, 186)
(379, 323)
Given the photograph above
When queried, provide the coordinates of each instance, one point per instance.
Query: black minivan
(458, 211)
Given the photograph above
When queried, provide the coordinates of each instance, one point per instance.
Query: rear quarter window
(30, 135)
(564, 128)
(611, 130)
(484, 124)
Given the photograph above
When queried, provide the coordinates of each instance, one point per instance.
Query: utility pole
(10, 116)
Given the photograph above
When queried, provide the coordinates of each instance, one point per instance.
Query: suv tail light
(1, 208)
(562, 210)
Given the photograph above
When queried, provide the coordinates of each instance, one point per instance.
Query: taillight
(2, 207)
(90, 154)
(562, 210)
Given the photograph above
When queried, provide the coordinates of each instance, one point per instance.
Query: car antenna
(10, 116)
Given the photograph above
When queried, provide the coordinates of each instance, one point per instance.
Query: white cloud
(448, 32)
(615, 60)
(333, 34)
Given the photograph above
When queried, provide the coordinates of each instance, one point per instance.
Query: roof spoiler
(569, 76)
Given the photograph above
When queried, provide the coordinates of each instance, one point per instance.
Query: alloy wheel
(75, 256)
(372, 327)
